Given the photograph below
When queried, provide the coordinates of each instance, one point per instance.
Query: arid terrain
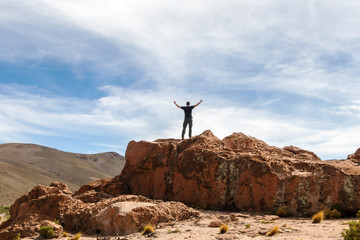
(163, 178)
(23, 166)
(243, 226)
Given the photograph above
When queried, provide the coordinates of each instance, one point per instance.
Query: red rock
(40, 207)
(112, 215)
(239, 172)
(355, 157)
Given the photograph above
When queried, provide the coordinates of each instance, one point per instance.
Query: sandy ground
(241, 226)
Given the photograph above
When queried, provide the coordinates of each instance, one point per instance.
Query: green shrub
(5, 210)
(353, 233)
(331, 213)
(248, 225)
(335, 214)
(47, 232)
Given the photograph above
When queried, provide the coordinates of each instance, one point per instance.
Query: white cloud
(302, 55)
(138, 115)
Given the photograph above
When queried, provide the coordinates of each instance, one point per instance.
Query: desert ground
(241, 226)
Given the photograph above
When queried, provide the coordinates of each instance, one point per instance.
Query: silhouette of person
(188, 117)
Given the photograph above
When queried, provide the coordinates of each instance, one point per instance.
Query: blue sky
(90, 76)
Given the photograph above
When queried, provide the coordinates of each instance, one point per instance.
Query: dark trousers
(186, 122)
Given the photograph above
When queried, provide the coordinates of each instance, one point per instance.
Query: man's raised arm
(198, 103)
(177, 105)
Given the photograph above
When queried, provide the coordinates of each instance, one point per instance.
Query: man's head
(187, 103)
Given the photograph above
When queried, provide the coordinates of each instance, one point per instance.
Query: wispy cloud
(282, 71)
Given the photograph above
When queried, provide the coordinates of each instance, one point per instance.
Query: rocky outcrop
(43, 206)
(239, 172)
(355, 157)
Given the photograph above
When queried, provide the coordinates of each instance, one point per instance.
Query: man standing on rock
(188, 117)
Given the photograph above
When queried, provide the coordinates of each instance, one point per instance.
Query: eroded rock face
(239, 172)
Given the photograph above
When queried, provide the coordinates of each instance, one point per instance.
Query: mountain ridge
(25, 165)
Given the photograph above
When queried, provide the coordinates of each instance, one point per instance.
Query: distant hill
(23, 166)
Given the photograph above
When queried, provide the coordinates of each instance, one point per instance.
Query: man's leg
(184, 128)
(190, 126)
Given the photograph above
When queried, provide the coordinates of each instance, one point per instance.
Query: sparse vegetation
(47, 232)
(174, 231)
(335, 214)
(353, 233)
(283, 212)
(65, 234)
(148, 229)
(331, 214)
(248, 225)
(17, 236)
(223, 228)
(6, 211)
(273, 231)
(56, 222)
(341, 210)
(318, 217)
(77, 236)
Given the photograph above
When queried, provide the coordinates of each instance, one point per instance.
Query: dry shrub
(318, 217)
(273, 231)
(223, 228)
(77, 236)
(148, 229)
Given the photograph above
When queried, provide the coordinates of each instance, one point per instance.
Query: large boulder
(239, 172)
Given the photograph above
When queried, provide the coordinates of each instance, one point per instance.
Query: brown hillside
(23, 166)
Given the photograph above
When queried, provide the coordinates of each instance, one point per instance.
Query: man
(188, 117)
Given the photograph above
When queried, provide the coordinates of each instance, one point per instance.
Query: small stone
(271, 217)
(233, 217)
(215, 224)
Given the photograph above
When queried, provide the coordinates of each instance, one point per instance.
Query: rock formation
(43, 206)
(238, 172)
(355, 157)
